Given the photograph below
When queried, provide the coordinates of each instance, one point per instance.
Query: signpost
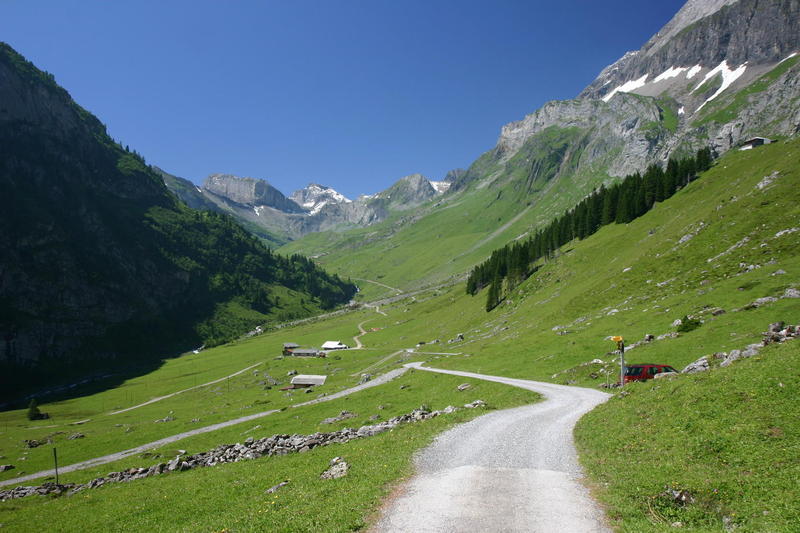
(621, 349)
(55, 460)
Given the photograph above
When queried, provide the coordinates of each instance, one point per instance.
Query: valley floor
(724, 250)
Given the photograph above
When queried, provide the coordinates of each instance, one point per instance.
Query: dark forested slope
(101, 266)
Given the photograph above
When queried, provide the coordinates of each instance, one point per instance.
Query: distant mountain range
(270, 215)
(720, 72)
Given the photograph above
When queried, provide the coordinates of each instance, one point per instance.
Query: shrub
(34, 413)
(689, 324)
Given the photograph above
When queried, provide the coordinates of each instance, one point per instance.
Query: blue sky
(350, 94)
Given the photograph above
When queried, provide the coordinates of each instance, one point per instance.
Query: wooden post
(55, 460)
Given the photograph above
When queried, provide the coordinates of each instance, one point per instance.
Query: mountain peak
(731, 39)
(249, 192)
(315, 196)
(691, 12)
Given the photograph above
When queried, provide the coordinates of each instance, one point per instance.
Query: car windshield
(633, 370)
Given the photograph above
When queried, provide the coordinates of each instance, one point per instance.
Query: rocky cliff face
(249, 192)
(705, 33)
(266, 212)
(718, 72)
(407, 192)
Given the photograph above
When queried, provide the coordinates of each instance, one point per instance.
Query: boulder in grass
(701, 365)
(277, 487)
(791, 293)
(338, 468)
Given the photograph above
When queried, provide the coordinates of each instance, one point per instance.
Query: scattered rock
(277, 487)
(364, 378)
(751, 350)
(680, 497)
(76, 436)
(291, 373)
(786, 231)
(475, 404)
(463, 387)
(677, 323)
(761, 301)
(665, 375)
(779, 272)
(344, 415)
(167, 418)
(701, 365)
(5, 468)
(718, 312)
(338, 468)
(791, 293)
(670, 335)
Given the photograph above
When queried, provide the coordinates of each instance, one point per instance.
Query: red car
(645, 371)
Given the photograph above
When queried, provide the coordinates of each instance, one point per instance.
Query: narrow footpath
(110, 458)
(510, 470)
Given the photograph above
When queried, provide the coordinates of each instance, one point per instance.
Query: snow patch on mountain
(693, 72)
(314, 197)
(671, 72)
(440, 186)
(728, 77)
(627, 87)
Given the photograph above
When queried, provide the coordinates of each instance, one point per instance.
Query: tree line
(620, 203)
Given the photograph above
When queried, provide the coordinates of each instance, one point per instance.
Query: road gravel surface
(510, 470)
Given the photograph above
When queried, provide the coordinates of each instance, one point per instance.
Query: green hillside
(721, 243)
(495, 202)
(103, 268)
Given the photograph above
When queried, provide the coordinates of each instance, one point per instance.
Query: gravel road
(510, 470)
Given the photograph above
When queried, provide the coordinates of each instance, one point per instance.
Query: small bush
(34, 413)
(689, 324)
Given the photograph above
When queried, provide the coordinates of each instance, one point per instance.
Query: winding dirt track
(510, 470)
(158, 399)
(199, 431)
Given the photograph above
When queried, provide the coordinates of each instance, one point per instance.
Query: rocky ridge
(708, 52)
(269, 214)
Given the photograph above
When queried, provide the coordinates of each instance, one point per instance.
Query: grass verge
(729, 438)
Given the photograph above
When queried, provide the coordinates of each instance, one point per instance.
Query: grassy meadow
(724, 241)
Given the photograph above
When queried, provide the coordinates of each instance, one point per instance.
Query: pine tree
(703, 159)
(610, 200)
(493, 295)
(624, 204)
